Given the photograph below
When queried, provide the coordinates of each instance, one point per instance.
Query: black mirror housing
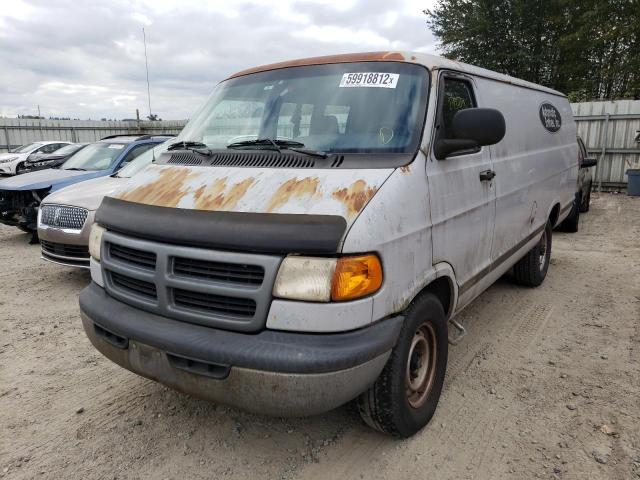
(588, 162)
(485, 126)
(472, 128)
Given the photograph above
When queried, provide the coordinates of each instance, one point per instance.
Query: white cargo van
(310, 236)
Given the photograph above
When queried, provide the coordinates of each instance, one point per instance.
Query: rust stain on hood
(217, 197)
(355, 197)
(166, 190)
(293, 188)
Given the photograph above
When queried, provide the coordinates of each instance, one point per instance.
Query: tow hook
(461, 332)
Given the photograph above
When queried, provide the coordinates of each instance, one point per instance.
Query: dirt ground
(545, 385)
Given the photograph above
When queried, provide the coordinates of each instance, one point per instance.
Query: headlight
(95, 241)
(7, 160)
(328, 279)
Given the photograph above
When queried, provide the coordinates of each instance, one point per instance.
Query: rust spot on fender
(216, 196)
(165, 191)
(355, 197)
(293, 188)
(405, 169)
(345, 58)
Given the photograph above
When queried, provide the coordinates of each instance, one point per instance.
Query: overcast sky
(86, 59)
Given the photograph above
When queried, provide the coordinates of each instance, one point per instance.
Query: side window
(457, 95)
(135, 151)
(52, 147)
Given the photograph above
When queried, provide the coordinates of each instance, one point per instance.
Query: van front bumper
(270, 372)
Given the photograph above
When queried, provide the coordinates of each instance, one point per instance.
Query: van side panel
(397, 225)
(535, 167)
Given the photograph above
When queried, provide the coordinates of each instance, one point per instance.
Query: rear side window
(137, 150)
(457, 95)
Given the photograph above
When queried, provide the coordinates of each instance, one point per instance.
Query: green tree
(588, 49)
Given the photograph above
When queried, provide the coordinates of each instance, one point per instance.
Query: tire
(405, 396)
(531, 269)
(571, 224)
(584, 206)
(20, 168)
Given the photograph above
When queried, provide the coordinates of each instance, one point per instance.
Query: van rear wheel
(405, 396)
(531, 270)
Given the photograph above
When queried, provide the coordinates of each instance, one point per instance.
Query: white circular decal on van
(550, 117)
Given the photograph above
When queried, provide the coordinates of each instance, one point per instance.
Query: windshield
(349, 107)
(96, 156)
(68, 150)
(26, 148)
(138, 163)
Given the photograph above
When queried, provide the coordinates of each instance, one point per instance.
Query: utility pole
(146, 64)
(39, 111)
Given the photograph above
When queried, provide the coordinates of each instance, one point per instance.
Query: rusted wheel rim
(421, 365)
(543, 250)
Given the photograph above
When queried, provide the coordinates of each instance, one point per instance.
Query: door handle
(487, 175)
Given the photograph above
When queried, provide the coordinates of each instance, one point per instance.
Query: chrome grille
(62, 216)
(209, 287)
(64, 250)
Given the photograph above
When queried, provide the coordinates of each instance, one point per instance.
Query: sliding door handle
(487, 175)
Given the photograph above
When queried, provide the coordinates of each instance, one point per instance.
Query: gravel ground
(545, 385)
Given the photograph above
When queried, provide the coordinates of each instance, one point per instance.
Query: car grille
(62, 216)
(64, 250)
(208, 287)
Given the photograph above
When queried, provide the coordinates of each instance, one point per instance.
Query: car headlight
(328, 279)
(95, 241)
(7, 160)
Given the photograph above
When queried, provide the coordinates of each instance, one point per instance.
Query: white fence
(610, 131)
(19, 131)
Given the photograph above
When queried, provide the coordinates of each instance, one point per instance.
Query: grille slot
(134, 256)
(64, 250)
(133, 285)
(62, 216)
(185, 159)
(218, 271)
(283, 160)
(216, 304)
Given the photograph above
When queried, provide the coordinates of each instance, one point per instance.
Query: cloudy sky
(86, 59)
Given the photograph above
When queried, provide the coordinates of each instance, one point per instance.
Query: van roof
(432, 62)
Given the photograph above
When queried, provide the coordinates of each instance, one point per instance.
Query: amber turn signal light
(355, 277)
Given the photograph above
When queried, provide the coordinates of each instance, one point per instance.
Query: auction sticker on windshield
(370, 79)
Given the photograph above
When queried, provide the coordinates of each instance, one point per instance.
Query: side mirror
(472, 128)
(589, 162)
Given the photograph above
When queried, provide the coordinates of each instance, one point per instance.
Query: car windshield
(138, 163)
(68, 150)
(370, 107)
(96, 156)
(26, 148)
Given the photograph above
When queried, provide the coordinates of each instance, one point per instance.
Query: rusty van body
(309, 237)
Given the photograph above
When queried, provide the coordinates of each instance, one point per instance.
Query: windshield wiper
(76, 168)
(278, 145)
(197, 147)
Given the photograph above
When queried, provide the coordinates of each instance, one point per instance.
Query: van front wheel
(405, 396)
(532, 268)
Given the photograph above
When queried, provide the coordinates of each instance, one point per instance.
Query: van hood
(87, 194)
(54, 178)
(343, 192)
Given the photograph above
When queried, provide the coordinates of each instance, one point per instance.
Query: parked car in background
(20, 196)
(14, 162)
(315, 246)
(583, 190)
(65, 217)
(52, 160)
(585, 176)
